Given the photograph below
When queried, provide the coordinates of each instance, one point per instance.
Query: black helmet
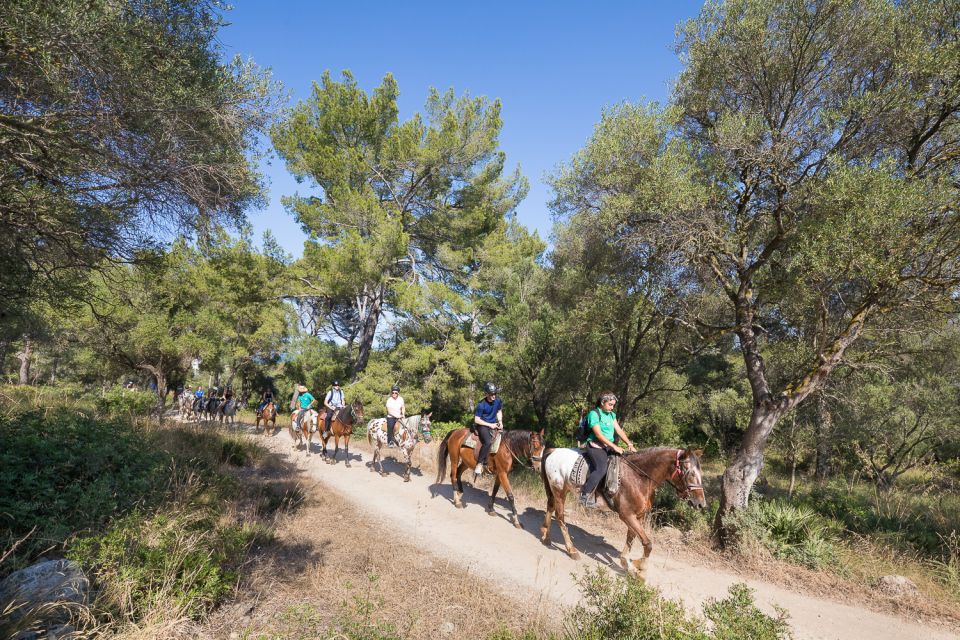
(490, 388)
(336, 383)
(395, 387)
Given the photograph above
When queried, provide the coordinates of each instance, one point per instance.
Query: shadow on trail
(392, 466)
(591, 545)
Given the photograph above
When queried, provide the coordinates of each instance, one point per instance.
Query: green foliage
(792, 532)
(626, 609)
(65, 473)
(126, 402)
(118, 117)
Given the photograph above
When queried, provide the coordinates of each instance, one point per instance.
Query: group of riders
(212, 402)
(603, 430)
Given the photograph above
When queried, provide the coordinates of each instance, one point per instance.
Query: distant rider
(333, 402)
(396, 410)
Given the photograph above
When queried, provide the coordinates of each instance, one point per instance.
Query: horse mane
(518, 440)
(646, 455)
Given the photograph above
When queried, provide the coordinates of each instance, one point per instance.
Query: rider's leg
(486, 439)
(391, 422)
(597, 458)
(326, 422)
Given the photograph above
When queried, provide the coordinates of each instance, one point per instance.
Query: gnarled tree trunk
(25, 355)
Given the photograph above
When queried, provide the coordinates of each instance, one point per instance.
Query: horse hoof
(406, 479)
(459, 505)
(516, 523)
(491, 512)
(347, 464)
(545, 542)
(574, 555)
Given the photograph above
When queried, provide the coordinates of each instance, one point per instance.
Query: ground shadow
(479, 496)
(392, 466)
(589, 544)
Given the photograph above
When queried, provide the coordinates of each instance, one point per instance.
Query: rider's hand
(617, 450)
(633, 449)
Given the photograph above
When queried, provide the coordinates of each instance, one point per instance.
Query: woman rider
(487, 417)
(603, 430)
(396, 410)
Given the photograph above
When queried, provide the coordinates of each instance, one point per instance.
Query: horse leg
(493, 494)
(635, 530)
(346, 450)
(562, 521)
(548, 518)
(505, 481)
(456, 471)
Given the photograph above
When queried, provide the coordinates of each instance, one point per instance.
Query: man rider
(396, 410)
(487, 418)
(332, 402)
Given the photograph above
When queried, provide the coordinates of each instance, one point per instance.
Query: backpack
(581, 431)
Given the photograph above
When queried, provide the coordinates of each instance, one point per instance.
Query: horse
(227, 411)
(267, 414)
(407, 435)
(515, 445)
(308, 426)
(640, 475)
(341, 426)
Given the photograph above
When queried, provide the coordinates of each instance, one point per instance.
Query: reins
(677, 471)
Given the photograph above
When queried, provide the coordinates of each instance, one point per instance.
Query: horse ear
(541, 432)
(698, 453)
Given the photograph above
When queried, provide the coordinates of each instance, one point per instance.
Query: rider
(306, 402)
(603, 430)
(332, 401)
(265, 398)
(487, 418)
(396, 410)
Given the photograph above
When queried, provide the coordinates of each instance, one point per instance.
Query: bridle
(680, 473)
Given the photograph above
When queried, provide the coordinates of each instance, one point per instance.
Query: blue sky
(553, 65)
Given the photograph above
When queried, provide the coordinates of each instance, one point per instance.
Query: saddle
(611, 481)
(472, 442)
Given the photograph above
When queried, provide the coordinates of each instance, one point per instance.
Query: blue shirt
(198, 393)
(487, 411)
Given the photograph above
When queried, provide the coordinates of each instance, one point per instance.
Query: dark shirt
(487, 411)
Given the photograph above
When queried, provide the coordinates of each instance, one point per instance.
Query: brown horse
(341, 426)
(267, 414)
(516, 445)
(640, 475)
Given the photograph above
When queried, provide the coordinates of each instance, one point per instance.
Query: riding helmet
(490, 387)
(395, 387)
(336, 383)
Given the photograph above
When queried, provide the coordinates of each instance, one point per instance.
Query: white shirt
(395, 408)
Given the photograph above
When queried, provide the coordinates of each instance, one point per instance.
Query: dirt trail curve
(493, 550)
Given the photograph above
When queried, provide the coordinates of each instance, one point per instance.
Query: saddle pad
(579, 472)
(470, 442)
(612, 484)
(496, 444)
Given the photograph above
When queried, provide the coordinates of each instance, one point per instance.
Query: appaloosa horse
(303, 433)
(267, 414)
(406, 435)
(640, 475)
(341, 426)
(515, 445)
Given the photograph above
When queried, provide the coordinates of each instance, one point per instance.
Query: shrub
(126, 402)
(791, 532)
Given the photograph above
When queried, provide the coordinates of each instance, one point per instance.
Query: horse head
(356, 411)
(537, 446)
(687, 478)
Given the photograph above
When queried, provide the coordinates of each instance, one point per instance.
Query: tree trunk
(742, 472)
(367, 334)
(4, 345)
(25, 356)
(824, 437)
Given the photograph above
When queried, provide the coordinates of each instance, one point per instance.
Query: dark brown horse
(267, 414)
(516, 445)
(640, 475)
(341, 426)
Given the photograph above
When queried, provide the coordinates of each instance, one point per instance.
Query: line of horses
(640, 473)
(194, 409)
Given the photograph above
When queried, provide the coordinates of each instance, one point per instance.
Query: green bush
(126, 402)
(792, 532)
(439, 430)
(626, 609)
(63, 473)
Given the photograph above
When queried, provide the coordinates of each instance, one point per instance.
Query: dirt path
(495, 551)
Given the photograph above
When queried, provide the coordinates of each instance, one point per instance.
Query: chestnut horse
(341, 426)
(640, 475)
(267, 414)
(515, 445)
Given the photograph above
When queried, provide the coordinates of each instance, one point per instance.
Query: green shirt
(305, 399)
(605, 419)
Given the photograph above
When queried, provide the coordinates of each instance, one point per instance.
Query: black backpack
(581, 431)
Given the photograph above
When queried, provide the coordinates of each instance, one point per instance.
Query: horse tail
(442, 458)
(546, 481)
(369, 435)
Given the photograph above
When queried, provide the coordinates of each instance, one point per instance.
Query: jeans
(391, 422)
